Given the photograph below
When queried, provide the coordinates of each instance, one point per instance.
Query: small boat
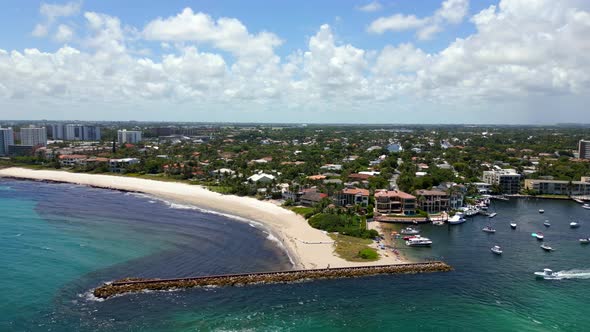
(407, 237)
(419, 242)
(547, 274)
(574, 224)
(585, 241)
(493, 214)
(547, 223)
(489, 229)
(471, 212)
(541, 211)
(577, 200)
(438, 223)
(586, 206)
(539, 236)
(513, 225)
(496, 250)
(409, 231)
(546, 247)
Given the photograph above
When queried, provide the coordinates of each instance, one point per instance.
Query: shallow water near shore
(57, 241)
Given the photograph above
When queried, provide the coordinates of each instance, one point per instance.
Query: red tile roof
(394, 193)
(355, 191)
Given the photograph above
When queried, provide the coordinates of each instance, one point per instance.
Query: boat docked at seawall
(497, 250)
(456, 219)
(419, 242)
(547, 274)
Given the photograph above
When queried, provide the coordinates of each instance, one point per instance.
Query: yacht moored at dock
(419, 242)
(456, 219)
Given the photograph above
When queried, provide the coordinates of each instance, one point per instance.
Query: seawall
(131, 285)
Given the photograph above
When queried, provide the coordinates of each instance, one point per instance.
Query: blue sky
(433, 61)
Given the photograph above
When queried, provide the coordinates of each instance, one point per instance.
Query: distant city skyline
(391, 62)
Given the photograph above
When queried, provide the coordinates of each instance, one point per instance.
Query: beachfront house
(120, 165)
(311, 196)
(353, 196)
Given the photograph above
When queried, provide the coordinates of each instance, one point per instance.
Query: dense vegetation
(343, 224)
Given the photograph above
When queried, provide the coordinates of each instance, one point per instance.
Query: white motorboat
(577, 200)
(585, 241)
(419, 242)
(546, 223)
(539, 236)
(409, 231)
(493, 214)
(489, 229)
(574, 224)
(586, 206)
(496, 250)
(547, 274)
(541, 211)
(456, 219)
(513, 225)
(546, 247)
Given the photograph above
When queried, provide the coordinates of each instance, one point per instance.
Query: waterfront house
(394, 202)
(432, 201)
(557, 187)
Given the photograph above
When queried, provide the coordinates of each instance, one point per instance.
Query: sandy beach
(307, 246)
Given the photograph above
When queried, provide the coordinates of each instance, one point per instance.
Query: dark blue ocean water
(58, 241)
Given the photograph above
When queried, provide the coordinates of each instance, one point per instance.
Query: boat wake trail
(574, 274)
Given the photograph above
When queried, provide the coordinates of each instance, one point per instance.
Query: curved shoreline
(307, 247)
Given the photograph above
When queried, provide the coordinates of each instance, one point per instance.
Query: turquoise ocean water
(58, 241)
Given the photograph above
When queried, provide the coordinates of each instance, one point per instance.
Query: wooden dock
(131, 285)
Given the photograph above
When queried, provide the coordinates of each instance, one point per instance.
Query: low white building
(262, 178)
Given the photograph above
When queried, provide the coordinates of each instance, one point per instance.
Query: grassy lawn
(348, 247)
(302, 210)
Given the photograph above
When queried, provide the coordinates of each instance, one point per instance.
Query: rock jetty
(133, 285)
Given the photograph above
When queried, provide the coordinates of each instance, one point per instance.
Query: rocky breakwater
(133, 285)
